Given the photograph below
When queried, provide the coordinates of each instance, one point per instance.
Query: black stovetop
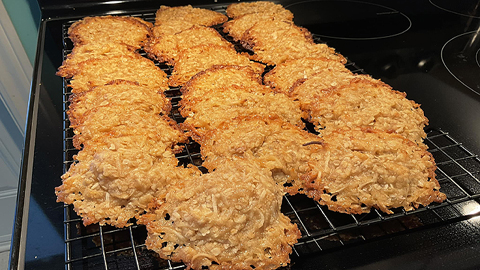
(426, 48)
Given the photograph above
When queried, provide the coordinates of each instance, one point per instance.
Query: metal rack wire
(106, 247)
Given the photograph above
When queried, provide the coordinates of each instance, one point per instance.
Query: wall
(18, 39)
(25, 16)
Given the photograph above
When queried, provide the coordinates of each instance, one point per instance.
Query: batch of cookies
(247, 109)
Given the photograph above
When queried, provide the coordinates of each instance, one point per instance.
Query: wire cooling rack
(106, 247)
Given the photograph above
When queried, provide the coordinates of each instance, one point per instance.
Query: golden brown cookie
(98, 72)
(167, 47)
(171, 20)
(121, 94)
(227, 219)
(130, 31)
(367, 168)
(207, 113)
(239, 9)
(285, 75)
(202, 57)
(371, 104)
(276, 41)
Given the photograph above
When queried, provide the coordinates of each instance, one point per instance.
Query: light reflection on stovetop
(461, 57)
(350, 20)
(469, 8)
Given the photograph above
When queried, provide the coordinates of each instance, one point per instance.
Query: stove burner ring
(461, 57)
(477, 55)
(463, 8)
(349, 19)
